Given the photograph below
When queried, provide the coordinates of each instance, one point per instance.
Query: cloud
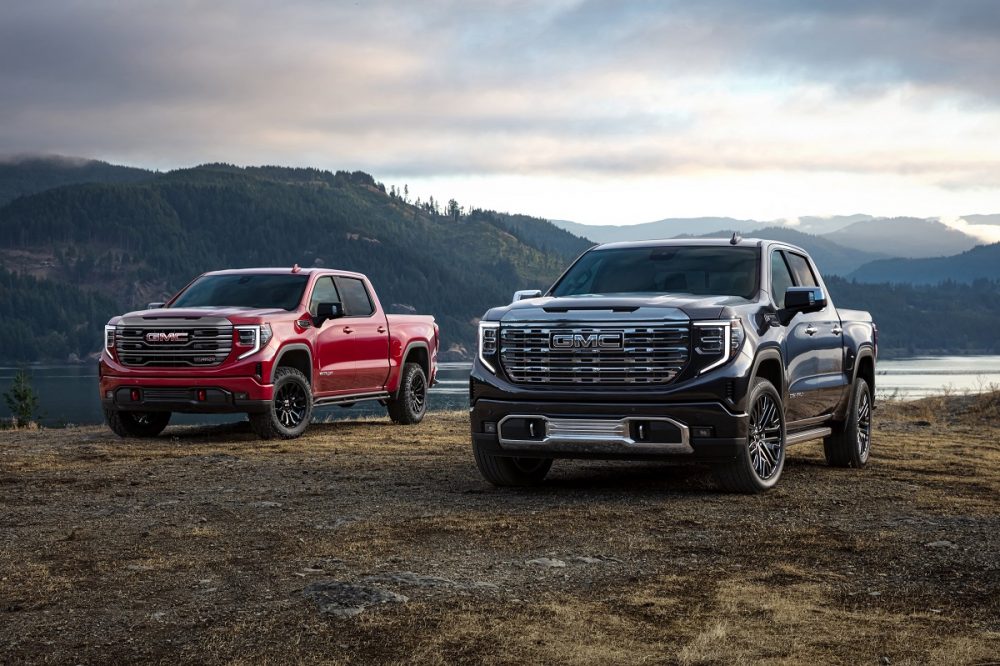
(986, 233)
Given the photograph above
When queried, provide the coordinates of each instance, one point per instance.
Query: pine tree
(22, 399)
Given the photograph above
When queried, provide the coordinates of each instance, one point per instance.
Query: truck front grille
(166, 345)
(614, 355)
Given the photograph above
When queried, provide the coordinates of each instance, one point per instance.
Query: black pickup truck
(716, 351)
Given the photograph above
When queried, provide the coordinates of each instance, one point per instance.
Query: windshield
(700, 271)
(244, 291)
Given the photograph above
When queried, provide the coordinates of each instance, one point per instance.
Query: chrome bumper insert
(594, 435)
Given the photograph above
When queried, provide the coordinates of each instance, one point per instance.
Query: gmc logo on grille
(586, 341)
(157, 336)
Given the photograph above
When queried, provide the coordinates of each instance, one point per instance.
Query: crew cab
(710, 350)
(270, 342)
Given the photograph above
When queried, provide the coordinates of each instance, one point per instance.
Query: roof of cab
(689, 242)
(287, 270)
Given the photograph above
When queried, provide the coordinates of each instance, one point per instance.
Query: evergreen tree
(22, 399)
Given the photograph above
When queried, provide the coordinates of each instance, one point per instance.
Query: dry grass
(195, 548)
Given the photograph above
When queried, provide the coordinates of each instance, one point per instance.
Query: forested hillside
(982, 261)
(27, 175)
(132, 243)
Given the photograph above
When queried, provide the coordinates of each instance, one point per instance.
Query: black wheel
(851, 441)
(507, 471)
(136, 424)
(289, 413)
(759, 464)
(410, 403)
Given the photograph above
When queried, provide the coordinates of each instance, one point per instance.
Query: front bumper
(699, 431)
(215, 395)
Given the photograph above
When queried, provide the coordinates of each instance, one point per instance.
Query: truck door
(814, 351)
(369, 331)
(334, 359)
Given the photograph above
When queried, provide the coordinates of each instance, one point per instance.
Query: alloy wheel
(765, 440)
(418, 393)
(290, 404)
(864, 424)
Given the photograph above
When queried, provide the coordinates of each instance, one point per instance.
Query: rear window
(354, 297)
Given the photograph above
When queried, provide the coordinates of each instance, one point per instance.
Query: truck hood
(616, 307)
(165, 315)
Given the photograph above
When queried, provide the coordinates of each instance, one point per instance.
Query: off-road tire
(136, 424)
(744, 474)
(289, 412)
(410, 403)
(506, 471)
(851, 442)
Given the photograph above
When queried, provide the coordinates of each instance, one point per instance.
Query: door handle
(348, 329)
(811, 330)
(837, 330)
(380, 329)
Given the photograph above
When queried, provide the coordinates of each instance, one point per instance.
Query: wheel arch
(296, 356)
(768, 365)
(418, 352)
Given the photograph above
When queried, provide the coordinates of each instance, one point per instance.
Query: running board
(806, 435)
(340, 399)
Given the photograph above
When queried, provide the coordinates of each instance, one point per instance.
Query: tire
(136, 424)
(759, 464)
(505, 471)
(851, 441)
(289, 412)
(410, 403)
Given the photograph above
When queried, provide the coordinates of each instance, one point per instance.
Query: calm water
(68, 393)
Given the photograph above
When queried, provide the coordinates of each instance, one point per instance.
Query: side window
(323, 292)
(800, 268)
(356, 300)
(781, 278)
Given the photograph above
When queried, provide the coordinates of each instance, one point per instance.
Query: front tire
(136, 424)
(410, 403)
(290, 410)
(851, 441)
(759, 464)
(505, 471)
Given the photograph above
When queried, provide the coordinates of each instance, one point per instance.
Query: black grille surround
(595, 355)
(202, 344)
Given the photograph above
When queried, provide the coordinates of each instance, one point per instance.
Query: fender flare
(415, 344)
(295, 346)
(865, 350)
(767, 354)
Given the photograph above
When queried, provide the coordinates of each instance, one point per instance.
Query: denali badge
(157, 336)
(586, 340)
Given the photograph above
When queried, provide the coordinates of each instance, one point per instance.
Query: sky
(602, 112)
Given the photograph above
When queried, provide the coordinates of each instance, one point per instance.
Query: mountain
(20, 176)
(668, 228)
(904, 237)
(130, 243)
(982, 261)
(832, 259)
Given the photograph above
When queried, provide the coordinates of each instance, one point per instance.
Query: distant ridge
(980, 262)
(21, 175)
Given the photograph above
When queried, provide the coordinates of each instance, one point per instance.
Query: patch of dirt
(364, 542)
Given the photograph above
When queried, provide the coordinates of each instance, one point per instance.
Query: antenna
(736, 238)
(295, 268)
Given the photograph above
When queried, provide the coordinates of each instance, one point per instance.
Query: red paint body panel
(349, 355)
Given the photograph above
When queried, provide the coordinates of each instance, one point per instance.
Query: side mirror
(326, 311)
(801, 299)
(155, 306)
(526, 293)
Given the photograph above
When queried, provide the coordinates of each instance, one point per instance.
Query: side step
(380, 395)
(806, 435)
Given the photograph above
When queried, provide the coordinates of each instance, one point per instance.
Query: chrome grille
(206, 345)
(648, 354)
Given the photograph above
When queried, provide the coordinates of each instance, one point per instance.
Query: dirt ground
(363, 542)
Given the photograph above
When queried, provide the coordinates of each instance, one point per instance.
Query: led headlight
(717, 341)
(489, 343)
(109, 337)
(256, 337)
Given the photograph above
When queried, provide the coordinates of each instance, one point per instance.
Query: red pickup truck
(269, 342)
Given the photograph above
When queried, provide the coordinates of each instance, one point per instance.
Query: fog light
(242, 396)
(135, 395)
(490, 427)
(703, 431)
(202, 396)
(108, 395)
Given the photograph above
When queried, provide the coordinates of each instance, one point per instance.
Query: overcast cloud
(882, 91)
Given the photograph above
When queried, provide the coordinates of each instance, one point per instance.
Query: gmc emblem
(586, 341)
(157, 336)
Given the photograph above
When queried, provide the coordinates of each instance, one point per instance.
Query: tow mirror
(801, 299)
(526, 293)
(155, 306)
(326, 311)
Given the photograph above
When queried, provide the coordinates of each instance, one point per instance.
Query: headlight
(489, 343)
(717, 341)
(109, 337)
(255, 337)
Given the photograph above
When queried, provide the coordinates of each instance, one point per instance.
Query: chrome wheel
(864, 424)
(290, 404)
(766, 440)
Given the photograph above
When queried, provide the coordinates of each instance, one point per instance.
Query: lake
(68, 393)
